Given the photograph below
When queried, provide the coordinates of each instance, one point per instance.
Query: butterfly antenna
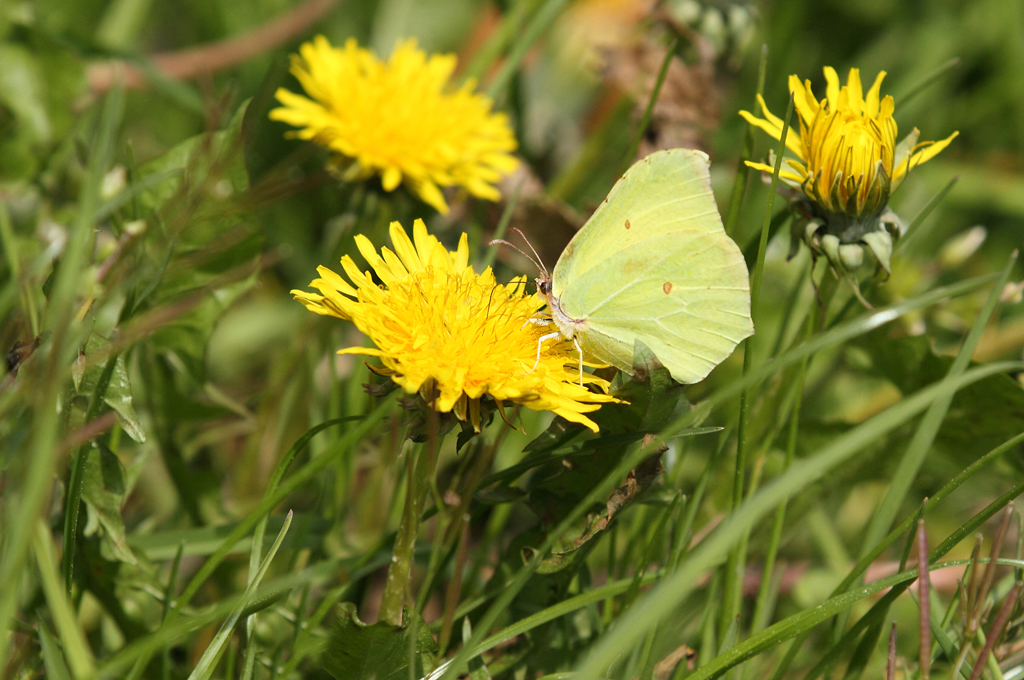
(537, 263)
(540, 264)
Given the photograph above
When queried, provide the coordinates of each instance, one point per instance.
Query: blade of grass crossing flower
(208, 661)
(733, 590)
(923, 215)
(739, 185)
(73, 498)
(924, 436)
(651, 609)
(645, 119)
(76, 648)
(503, 222)
(928, 80)
(541, 21)
(755, 280)
(42, 449)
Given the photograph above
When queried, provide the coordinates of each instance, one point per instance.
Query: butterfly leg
(579, 349)
(538, 319)
(540, 343)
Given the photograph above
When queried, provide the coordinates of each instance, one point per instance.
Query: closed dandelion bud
(847, 164)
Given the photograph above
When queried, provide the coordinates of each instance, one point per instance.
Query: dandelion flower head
(848, 161)
(400, 119)
(453, 335)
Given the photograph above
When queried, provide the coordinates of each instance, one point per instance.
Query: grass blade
(733, 590)
(76, 648)
(540, 22)
(927, 430)
(208, 661)
(661, 600)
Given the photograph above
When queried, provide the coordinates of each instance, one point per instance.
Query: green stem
(540, 22)
(645, 120)
(511, 25)
(733, 591)
(739, 184)
(764, 591)
(418, 466)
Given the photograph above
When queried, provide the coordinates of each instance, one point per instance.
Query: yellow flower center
(399, 119)
(453, 335)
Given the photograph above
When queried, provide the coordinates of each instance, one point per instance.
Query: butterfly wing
(674, 279)
(664, 192)
(684, 294)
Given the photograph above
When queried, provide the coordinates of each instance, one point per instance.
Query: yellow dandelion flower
(399, 119)
(453, 335)
(848, 161)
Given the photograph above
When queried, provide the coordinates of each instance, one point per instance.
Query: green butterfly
(654, 264)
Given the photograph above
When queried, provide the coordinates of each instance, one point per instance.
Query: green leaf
(209, 237)
(53, 657)
(357, 651)
(477, 667)
(652, 398)
(103, 490)
(119, 391)
(22, 90)
(981, 415)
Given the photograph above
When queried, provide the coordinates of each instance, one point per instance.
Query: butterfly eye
(544, 286)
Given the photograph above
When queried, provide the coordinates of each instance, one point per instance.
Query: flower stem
(418, 466)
